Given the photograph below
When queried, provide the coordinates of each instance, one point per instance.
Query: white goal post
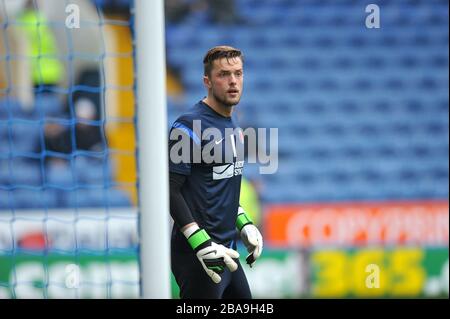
(152, 149)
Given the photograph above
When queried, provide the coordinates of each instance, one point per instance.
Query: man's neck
(223, 110)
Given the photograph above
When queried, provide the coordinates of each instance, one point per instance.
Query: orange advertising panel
(355, 224)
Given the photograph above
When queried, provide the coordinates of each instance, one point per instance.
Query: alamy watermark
(72, 276)
(210, 146)
(373, 279)
(73, 18)
(373, 19)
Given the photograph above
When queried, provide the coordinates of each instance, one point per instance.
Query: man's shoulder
(186, 124)
(188, 118)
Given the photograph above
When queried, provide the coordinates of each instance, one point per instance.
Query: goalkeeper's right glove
(213, 257)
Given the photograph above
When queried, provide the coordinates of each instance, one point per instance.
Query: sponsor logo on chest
(228, 170)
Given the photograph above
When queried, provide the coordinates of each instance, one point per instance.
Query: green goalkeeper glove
(250, 235)
(212, 256)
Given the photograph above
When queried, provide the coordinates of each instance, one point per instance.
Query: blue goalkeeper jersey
(213, 163)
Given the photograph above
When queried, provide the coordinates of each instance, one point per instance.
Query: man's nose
(233, 79)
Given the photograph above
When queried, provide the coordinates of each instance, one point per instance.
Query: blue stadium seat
(31, 199)
(91, 171)
(49, 105)
(97, 197)
(25, 172)
(60, 175)
(5, 199)
(10, 108)
(361, 114)
(25, 135)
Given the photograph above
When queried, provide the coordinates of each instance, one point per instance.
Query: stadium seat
(361, 114)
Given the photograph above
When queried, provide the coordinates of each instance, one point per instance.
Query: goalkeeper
(204, 195)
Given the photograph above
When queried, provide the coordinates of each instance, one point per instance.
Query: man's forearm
(179, 210)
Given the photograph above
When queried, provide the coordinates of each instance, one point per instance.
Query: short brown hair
(217, 53)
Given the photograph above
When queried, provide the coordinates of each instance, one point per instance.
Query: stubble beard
(224, 101)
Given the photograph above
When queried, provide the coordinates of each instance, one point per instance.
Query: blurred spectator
(89, 78)
(57, 138)
(47, 70)
(219, 11)
(177, 10)
(88, 136)
(223, 12)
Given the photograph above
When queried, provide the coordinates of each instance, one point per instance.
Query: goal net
(68, 216)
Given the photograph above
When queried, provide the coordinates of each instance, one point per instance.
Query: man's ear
(207, 81)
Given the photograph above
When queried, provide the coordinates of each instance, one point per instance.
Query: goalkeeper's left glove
(250, 235)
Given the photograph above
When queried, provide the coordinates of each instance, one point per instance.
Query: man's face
(226, 80)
